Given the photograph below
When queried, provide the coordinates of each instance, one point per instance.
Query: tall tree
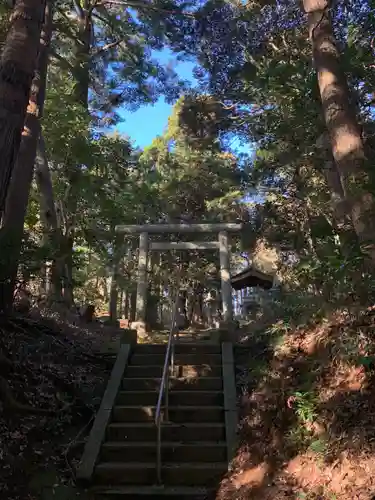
(18, 194)
(107, 50)
(17, 65)
(340, 117)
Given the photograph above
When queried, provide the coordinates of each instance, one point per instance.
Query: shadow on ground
(307, 403)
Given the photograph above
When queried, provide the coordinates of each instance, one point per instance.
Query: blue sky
(143, 125)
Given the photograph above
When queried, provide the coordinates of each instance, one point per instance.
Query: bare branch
(284, 41)
(106, 47)
(275, 48)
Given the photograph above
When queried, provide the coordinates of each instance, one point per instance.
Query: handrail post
(158, 455)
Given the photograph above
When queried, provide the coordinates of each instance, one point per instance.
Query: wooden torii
(222, 244)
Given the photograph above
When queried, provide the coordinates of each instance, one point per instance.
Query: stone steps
(174, 474)
(155, 492)
(177, 414)
(200, 451)
(176, 383)
(191, 347)
(176, 398)
(184, 432)
(180, 370)
(194, 441)
(193, 358)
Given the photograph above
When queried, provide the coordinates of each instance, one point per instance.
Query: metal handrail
(164, 388)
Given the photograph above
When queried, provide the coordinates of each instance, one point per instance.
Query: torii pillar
(226, 287)
(222, 244)
(141, 301)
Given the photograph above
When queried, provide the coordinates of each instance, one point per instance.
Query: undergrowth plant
(301, 435)
(305, 404)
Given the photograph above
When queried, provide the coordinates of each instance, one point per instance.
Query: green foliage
(319, 447)
(301, 436)
(256, 83)
(305, 406)
(257, 63)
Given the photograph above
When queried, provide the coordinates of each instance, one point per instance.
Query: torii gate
(222, 244)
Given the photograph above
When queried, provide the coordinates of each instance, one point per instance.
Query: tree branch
(79, 9)
(64, 63)
(107, 22)
(106, 47)
(274, 47)
(141, 5)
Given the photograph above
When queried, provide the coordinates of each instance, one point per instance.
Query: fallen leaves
(329, 455)
(53, 370)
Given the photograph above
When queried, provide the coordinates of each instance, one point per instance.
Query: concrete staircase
(197, 442)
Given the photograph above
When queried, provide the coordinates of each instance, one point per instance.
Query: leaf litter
(307, 406)
(53, 372)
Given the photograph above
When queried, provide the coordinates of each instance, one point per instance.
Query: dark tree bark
(126, 304)
(113, 297)
(67, 248)
(133, 301)
(17, 66)
(18, 193)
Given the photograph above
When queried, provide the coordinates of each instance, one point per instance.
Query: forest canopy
(291, 83)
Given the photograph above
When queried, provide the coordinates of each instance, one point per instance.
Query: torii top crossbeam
(178, 228)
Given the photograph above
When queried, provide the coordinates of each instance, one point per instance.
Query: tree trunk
(68, 292)
(126, 304)
(17, 66)
(49, 218)
(104, 288)
(133, 302)
(43, 179)
(341, 215)
(113, 296)
(82, 57)
(191, 298)
(121, 303)
(342, 124)
(81, 74)
(19, 187)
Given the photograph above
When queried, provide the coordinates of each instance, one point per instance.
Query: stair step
(179, 348)
(196, 337)
(187, 398)
(180, 384)
(147, 492)
(178, 414)
(191, 358)
(170, 451)
(144, 371)
(186, 474)
(182, 433)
